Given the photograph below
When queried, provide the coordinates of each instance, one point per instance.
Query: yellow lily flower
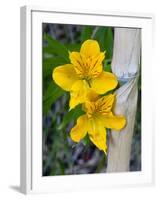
(98, 117)
(84, 72)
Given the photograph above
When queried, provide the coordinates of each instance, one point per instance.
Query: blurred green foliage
(60, 155)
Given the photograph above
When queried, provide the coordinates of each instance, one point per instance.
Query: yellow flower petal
(90, 48)
(87, 66)
(77, 61)
(89, 108)
(105, 103)
(97, 134)
(96, 65)
(79, 131)
(92, 95)
(104, 82)
(78, 93)
(65, 76)
(113, 122)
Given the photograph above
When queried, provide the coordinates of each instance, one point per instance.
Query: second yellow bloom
(98, 117)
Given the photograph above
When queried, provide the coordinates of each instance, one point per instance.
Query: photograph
(86, 109)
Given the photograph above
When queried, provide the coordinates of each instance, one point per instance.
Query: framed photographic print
(86, 103)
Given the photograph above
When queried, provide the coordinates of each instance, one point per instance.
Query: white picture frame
(31, 96)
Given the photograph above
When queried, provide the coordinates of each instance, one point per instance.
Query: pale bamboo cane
(125, 65)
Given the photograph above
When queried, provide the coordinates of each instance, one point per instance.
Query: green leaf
(48, 50)
(109, 43)
(73, 47)
(71, 115)
(86, 140)
(52, 93)
(100, 36)
(55, 47)
(86, 33)
(107, 66)
(47, 105)
(61, 167)
(50, 63)
(104, 36)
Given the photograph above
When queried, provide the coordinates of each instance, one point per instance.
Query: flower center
(97, 108)
(92, 109)
(87, 68)
(88, 80)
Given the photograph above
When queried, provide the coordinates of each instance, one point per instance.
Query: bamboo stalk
(125, 65)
